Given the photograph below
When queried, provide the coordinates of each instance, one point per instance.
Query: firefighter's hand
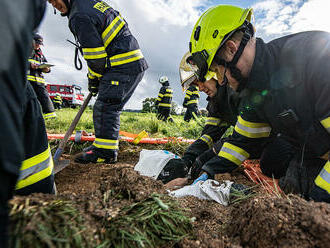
(46, 70)
(93, 86)
(34, 66)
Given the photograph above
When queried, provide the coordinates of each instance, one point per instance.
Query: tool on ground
(60, 165)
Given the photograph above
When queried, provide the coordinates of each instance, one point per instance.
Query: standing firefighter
(57, 101)
(36, 78)
(115, 68)
(284, 85)
(191, 102)
(164, 100)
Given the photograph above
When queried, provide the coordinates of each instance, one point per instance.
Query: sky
(163, 29)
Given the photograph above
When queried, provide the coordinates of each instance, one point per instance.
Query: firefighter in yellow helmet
(284, 88)
(164, 100)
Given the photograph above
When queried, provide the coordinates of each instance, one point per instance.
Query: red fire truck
(71, 94)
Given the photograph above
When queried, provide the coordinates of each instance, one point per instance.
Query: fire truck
(71, 94)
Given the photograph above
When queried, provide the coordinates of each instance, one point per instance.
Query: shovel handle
(69, 132)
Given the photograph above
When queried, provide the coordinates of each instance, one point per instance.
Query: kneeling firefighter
(222, 114)
(164, 100)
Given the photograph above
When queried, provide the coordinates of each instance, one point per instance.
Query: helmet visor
(199, 66)
(187, 78)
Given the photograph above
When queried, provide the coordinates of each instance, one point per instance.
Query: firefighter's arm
(92, 45)
(247, 141)
(47, 69)
(160, 95)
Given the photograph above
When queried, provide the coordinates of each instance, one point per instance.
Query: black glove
(93, 86)
(175, 168)
(200, 161)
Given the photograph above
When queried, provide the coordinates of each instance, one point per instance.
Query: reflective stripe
(212, 121)
(34, 61)
(195, 93)
(106, 144)
(92, 74)
(35, 169)
(125, 58)
(168, 95)
(326, 124)
(169, 90)
(207, 139)
(112, 30)
(188, 92)
(323, 179)
(233, 153)
(36, 79)
(160, 95)
(192, 102)
(114, 82)
(252, 129)
(49, 115)
(165, 105)
(94, 53)
(187, 96)
(159, 99)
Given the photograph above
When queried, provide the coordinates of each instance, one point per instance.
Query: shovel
(61, 164)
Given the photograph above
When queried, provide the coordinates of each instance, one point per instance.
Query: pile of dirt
(287, 222)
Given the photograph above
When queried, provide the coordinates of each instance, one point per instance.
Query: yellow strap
(252, 129)
(112, 30)
(233, 153)
(323, 179)
(94, 53)
(165, 105)
(106, 144)
(125, 58)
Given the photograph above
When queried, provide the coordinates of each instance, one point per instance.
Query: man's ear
(230, 49)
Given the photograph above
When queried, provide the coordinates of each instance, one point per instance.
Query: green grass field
(130, 122)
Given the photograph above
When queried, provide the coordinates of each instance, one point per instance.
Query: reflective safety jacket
(107, 43)
(191, 97)
(58, 99)
(36, 75)
(165, 96)
(222, 113)
(287, 92)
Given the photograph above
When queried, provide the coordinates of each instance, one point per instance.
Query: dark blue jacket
(107, 43)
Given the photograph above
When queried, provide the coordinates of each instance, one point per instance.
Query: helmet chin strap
(234, 71)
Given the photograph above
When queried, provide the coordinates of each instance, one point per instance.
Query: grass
(130, 122)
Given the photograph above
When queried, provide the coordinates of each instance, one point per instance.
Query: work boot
(97, 156)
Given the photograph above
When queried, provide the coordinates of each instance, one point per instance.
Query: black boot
(96, 155)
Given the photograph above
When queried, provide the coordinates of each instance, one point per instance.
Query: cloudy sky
(163, 29)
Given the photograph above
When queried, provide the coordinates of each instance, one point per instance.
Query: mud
(261, 221)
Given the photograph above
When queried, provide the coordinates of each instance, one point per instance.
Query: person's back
(164, 100)
(191, 102)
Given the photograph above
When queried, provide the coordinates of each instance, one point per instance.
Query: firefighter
(284, 89)
(57, 101)
(36, 78)
(115, 68)
(164, 100)
(22, 18)
(191, 102)
(222, 108)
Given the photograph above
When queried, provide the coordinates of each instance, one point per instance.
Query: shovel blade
(60, 165)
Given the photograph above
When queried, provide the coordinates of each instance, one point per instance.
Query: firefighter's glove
(93, 86)
(175, 168)
(200, 161)
(202, 177)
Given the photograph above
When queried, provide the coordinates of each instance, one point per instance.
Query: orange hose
(128, 139)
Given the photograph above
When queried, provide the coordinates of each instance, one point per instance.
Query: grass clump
(40, 223)
(154, 222)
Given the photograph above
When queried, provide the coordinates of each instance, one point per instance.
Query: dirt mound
(288, 222)
(128, 184)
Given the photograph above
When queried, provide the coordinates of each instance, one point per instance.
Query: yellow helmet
(212, 30)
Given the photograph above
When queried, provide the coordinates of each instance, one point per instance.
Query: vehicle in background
(71, 94)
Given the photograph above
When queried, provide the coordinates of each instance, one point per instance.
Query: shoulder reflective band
(92, 74)
(233, 153)
(94, 53)
(49, 115)
(207, 139)
(326, 124)
(168, 95)
(36, 79)
(125, 58)
(212, 121)
(160, 95)
(188, 92)
(112, 30)
(114, 82)
(165, 105)
(35, 169)
(106, 144)
(252, 129)
(169, 90)
(192, 102)
(34, 61)
(323, 179)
